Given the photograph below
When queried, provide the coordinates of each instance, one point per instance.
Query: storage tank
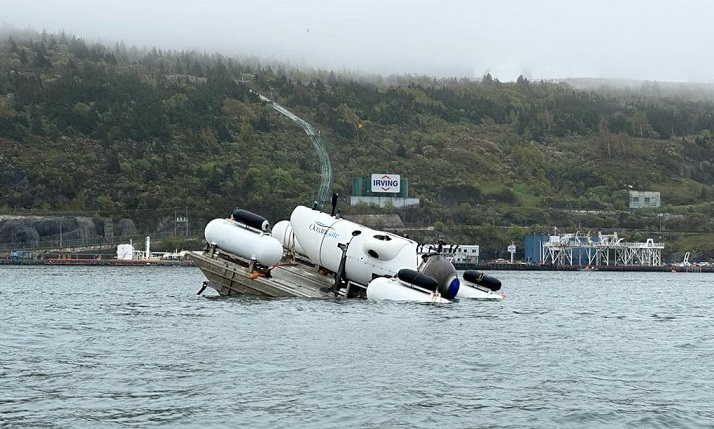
(125, 251)
(367, 186)
(404, 188)
(534, 247)
(356, 186)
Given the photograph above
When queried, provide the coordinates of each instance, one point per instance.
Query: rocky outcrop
(24, 231)
(378, 221)
(125, 227)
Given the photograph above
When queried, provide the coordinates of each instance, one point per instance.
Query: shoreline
(609, 268)
(458, 266)
(100, 262)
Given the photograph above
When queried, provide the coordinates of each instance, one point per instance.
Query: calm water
(134, 346)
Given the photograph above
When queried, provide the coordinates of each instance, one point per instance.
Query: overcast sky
(662, 40)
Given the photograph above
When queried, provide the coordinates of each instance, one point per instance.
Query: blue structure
(534, 247)
(20, 254)
(581, 248)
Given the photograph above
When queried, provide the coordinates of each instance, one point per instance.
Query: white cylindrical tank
(392, 289)
(125, 251)
(283, 231)
(370, 253)
(247, 243)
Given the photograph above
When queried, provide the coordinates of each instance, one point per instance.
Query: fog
(659, 40)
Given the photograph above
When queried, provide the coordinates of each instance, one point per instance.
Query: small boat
(321, 255)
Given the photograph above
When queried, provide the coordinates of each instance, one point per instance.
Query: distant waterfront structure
(644, 199)
(534, 248)
(602, 249)
(382, 190)
(456, 253)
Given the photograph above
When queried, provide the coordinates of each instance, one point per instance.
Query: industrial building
(644, 199)
(456, 253)
(599, 250)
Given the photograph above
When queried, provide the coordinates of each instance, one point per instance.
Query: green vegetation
(121, 132)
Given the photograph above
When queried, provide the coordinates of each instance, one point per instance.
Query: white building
(644, 199)
(456, 253)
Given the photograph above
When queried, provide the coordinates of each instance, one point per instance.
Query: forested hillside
(118, 132)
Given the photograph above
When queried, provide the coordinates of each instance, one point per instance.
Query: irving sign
(386, 183)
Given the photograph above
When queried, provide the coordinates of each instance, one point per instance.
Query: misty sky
(662, 40)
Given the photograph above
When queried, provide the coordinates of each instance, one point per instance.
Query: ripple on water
(135, 346)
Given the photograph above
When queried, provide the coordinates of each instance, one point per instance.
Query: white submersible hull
(317, 254)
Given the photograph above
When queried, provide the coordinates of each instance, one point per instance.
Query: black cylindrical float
(251, 219)
(482, 279)
(416, 278)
